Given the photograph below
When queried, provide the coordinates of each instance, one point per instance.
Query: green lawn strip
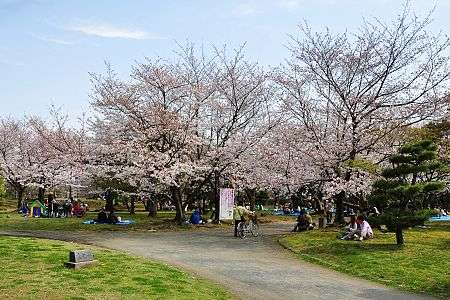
(11, 220)
(422, 265)
(33, 269)
(163, 221)
(7, 205)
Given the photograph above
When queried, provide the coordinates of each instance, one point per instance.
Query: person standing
(50, 206)
(239, 214)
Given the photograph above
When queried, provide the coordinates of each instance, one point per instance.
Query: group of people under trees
(52, 208)
(440, 212)
(357, 229)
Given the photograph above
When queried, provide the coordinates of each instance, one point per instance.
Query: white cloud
(110, 31)
(53, 40)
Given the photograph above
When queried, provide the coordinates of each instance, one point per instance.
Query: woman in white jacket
(364, 230)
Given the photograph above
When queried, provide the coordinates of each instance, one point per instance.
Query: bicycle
(244, 228)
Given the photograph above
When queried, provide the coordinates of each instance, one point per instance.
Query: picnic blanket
(443, 218)
(123, 222)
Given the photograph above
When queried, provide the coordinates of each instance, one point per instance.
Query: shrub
(390, 219)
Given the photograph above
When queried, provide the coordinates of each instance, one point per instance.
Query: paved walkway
(254, 268)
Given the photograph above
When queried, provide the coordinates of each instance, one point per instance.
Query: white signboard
(226, 204)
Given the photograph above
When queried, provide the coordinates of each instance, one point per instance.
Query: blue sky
(47, 47)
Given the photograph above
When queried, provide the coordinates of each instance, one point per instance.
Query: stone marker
(80, 259)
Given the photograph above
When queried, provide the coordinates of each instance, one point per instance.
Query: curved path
(254, 268)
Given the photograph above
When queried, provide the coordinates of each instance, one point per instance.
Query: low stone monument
(80, 259)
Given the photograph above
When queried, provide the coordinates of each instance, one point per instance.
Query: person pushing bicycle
(240, 214)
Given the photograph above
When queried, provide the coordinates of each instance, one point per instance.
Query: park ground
(253, 268)
(33, 269)
(422, 265)
(10, 220)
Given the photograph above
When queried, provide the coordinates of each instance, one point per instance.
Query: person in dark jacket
(102, 217)
(196, 217)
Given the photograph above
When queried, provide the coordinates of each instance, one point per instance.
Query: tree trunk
(339, 218)
(125, 202)
(216, 197)
(399, 234)
(146, 205)
(109, 201)
(251, 194)
(70, 192)
(132, 204)
(20, 191)
(41, 194)
(151, 207)
(176, 197)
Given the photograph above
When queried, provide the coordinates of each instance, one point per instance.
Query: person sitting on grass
(196, 217)
(113, 219)
(364, 230)
(102, 217)
(304, 221)
(350, 229)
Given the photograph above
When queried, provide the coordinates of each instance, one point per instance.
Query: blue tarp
(443, 218)
(123, 222)
(282, 213)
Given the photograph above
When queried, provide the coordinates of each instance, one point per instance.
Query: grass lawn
(422, 265)
(163, 221)
(33, 269)
(11, 220)
(7, 205)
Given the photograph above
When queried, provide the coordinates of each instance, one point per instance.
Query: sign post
(226, 204)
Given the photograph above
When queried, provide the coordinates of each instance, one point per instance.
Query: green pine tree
(414, 175)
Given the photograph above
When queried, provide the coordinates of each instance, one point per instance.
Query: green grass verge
(422, 265)
(33, 269)
(11, 220)
(14, 221)
(7, 205)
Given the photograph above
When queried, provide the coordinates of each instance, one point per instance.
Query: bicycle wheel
(241, 230)
(254, 228)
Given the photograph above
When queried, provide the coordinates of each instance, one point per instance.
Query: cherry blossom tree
(66, 149)
(145, 128)
(352, 93)
(278, 163)
(15, 155)
(181, 125)
(237, 116)
(25, 159)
